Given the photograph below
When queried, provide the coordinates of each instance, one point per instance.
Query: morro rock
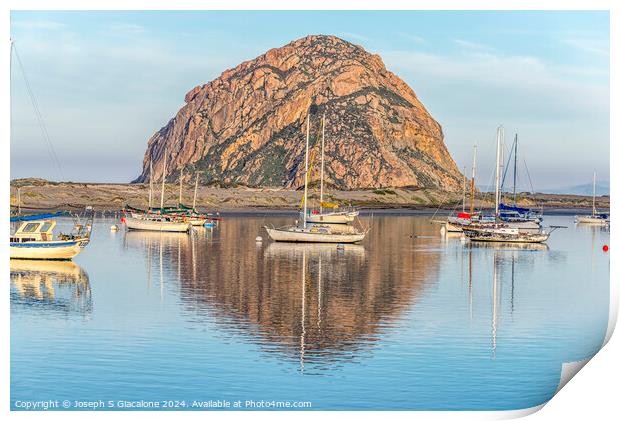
(248, 126)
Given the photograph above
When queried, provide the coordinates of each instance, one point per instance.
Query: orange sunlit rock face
(248, 125)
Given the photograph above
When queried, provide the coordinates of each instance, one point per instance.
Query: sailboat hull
(452, 227)
(498, 239)
(591, 220)
(46, 250)
(504, 235)
(312, 236)
(156, 225)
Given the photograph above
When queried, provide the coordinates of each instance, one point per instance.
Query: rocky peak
(247, 126)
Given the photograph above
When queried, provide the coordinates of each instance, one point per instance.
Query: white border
(594, 395)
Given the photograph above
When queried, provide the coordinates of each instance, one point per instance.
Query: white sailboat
(156, 222)
(334, 216)
(596, 218)
(456, 223)
(308, 232)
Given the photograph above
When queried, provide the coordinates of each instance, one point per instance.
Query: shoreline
(39, 195)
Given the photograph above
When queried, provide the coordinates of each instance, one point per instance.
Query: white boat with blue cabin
(34, 238)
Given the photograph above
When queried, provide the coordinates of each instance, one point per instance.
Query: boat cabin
(34, 231)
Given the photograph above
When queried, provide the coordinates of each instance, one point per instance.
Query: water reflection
(315, 303)
(405, 320)
(508, 246)
(50, 286)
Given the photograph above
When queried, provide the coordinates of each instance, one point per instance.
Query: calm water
(406, 320)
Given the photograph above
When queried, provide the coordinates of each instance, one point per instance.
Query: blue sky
(106, 81)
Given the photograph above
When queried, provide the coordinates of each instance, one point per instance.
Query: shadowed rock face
(248, 125)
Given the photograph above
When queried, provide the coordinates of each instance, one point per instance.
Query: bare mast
(514, 175)
(151, 184)
(195, 191)
(322, 164)
(181, 187)
(501, 164)
(497, 171)
(464, 187)
(594, 194)
(306, 174)
(473, 182)
(163, 183)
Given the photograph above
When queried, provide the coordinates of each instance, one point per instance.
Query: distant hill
(602, 188)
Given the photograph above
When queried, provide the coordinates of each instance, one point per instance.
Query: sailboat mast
(514, 175)
(473, 182)
(501, 165)
(306, 173)
(497, 170)
(180, 187)
(594, 194)
(195, 190)
(464, 187)
(322, 164)
(163, 183)
(150, 184)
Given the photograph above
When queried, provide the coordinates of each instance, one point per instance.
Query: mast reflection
(316, 304)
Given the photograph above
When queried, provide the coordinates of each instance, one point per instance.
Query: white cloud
(38, 25)
(125, 29)
(470, 45)
(355, 36)
(595, 46)
(413, 38)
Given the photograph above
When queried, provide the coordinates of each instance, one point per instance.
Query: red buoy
(605, 248)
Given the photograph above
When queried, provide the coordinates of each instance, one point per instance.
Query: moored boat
(156, 223)
(137, 219)
(34, 238)
(310, 233)
(328, 213)
(596, 218)
(498, 230)
(504, 234)
(513, 215)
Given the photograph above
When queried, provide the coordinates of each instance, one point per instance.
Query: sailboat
(516, 216)
(499, 231)
(334, 216)
(595, 218)
(308, 232)
(456, 223)
(34, 237)
(135, 219)
(195, 219)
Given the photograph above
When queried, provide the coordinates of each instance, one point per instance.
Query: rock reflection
(314, 303)
(50, 286)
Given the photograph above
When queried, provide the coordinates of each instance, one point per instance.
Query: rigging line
(527, 171)
(507, 164)
(38, 114)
